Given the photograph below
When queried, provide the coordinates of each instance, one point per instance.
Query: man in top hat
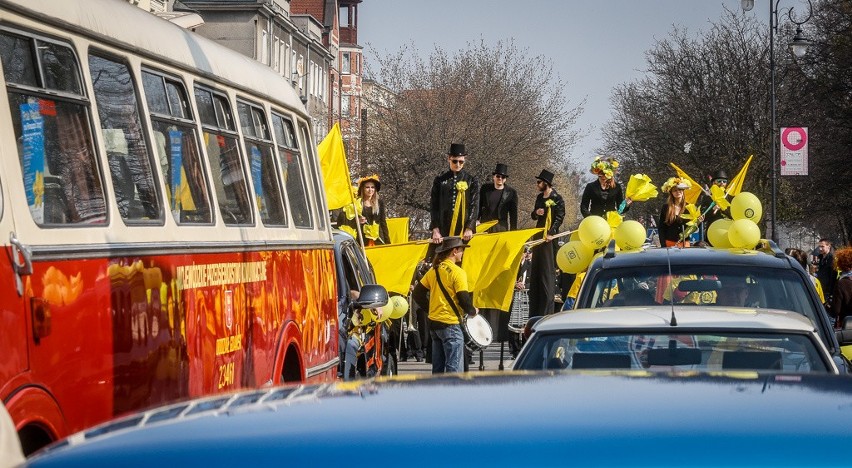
(448, 301)
(719, 179)
(454, 185)
(498, 201)
(548, 211)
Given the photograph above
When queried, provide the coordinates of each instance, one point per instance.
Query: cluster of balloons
(742, 231)
(396, 307)
(594, 233)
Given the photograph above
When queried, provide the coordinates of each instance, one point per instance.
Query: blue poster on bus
(33, 158)
(256, 176)
(176, 157)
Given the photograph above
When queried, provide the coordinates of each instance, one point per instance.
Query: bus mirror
(372, 296)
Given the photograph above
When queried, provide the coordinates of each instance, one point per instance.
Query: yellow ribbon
(461, 187)
(547, 222)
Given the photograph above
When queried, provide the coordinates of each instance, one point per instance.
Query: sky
(593, 45)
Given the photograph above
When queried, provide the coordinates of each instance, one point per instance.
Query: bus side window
(177, 149)
(311, 156)
(264, 171)
(127, 151)
(61, 174)
(292, 170)
(223, 152)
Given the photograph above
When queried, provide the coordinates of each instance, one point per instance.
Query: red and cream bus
(162, 215)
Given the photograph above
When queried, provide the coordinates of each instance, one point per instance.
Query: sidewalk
(491, 359)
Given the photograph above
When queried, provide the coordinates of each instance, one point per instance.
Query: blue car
(612, 418)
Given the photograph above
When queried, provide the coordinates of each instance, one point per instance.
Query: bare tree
(505, 105)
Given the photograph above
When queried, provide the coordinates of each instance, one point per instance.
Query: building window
(344, 63)
(276, 55)
(344, 105)
(264, 48)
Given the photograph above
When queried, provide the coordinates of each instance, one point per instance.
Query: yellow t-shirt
(454, 280)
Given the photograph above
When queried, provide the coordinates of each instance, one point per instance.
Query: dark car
(707, 277)
(353, 273)
(523, 418)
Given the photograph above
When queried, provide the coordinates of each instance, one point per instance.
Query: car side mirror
(528, 328)
(372, 296)
(844, 337)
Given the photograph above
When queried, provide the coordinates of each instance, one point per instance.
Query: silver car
(660, 338)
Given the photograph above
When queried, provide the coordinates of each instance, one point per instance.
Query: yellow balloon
(595, 232)
(400, 306)
(744, 233)
(575, 236)
(384, 312)
(746, 206)
(574, 257)
(630, 235)
(717, 233)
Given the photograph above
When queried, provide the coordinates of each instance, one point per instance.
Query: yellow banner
(398, 230)
(335, 170)
(394, 264)
(491, 264)
(735, 185)
(692, 193)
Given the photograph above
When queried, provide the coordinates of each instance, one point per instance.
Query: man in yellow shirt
(448, 298)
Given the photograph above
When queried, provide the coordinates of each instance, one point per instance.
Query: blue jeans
(447, 349)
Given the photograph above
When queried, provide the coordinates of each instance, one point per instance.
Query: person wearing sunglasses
(719, 179)
(454, 201)
(498, 201)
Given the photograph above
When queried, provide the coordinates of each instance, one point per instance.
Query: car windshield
(705, 285)
(661, 351)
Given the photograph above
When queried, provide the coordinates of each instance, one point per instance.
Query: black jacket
(379, 218)
(442, 202)
(557, 215)
(597, 201)
(506, 209)
(672, 231)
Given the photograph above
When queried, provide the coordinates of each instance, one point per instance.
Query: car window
(660, 351)
(704, 285)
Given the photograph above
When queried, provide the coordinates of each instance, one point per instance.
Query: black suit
(506, 211)
(443, 200)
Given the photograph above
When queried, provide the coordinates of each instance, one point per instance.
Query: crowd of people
(458, 204)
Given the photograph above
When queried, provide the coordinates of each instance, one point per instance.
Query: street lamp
(799, 47)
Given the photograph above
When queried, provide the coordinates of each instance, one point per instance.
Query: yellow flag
(398, 230)
(335, 170)
(491, 264)
(482, 227)
(735, 186)
(692, 193)
(394, 264)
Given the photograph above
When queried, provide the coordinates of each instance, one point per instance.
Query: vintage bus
(162, 215)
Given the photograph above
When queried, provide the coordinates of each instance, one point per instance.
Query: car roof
(693, 317)
(695, 256)
(490, 418)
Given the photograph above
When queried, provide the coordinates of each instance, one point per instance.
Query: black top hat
(720, 174)
(451, 243)
(546, 176)
(457, 149)
(502, 170)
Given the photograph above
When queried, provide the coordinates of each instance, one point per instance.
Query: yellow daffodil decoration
(458, 210)
(604, 166)
(676, 182)
(549, 203)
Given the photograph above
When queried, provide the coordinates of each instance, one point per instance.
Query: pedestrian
(454, 201)
(841, 306)
(448, 301)
(800, 256)
(604, 194)
(548, 212)
(372, 216)
(825, 271)
(671, 224)
(498, 201)
(718, 179)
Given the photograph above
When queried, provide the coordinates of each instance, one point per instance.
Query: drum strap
(449, 298)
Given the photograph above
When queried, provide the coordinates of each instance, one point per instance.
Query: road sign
(794, 151)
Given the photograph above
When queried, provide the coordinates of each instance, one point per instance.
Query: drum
(478, 333)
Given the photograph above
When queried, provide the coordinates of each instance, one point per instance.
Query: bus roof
(128, 27)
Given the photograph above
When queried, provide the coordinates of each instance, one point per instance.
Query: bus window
(291, 168)
(127, 151)
(177, 148)
(315, 173)
(264, 173)
(61, 175)
(222, 144)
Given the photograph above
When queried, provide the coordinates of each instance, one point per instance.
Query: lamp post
(799, 47)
